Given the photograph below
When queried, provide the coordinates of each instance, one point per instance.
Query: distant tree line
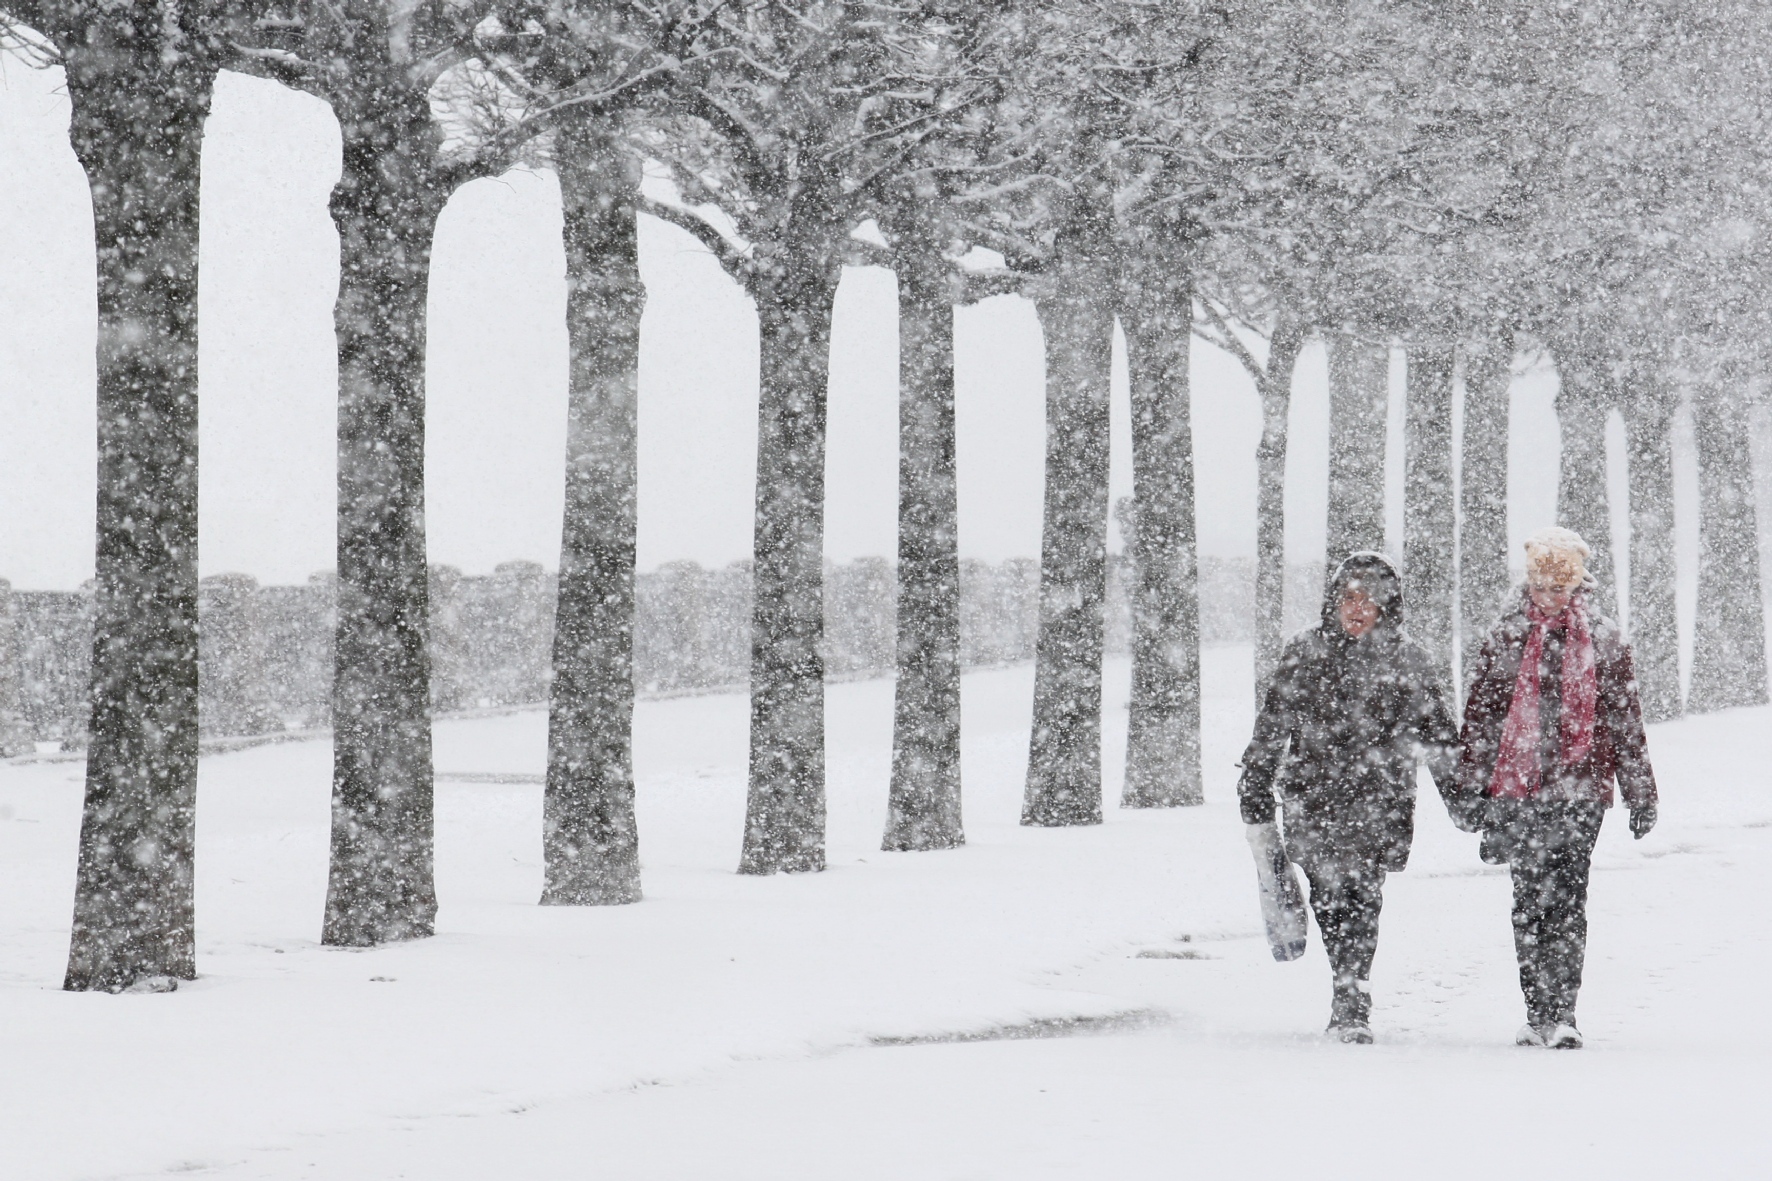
(266, 652)
(1465, 180)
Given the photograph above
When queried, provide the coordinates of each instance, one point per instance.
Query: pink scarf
(1517, 773)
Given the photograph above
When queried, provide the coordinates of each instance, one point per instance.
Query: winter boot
(1350, 1011)
(1564, 1036)
(1532, 1035)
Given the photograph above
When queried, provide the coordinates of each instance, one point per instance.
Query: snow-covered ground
(729, 1027)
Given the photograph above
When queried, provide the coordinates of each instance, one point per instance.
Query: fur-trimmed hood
(1378, 577)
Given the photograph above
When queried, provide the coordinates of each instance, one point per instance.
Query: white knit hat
(1557, 558)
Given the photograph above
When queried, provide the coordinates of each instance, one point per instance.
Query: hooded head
(1372, 573)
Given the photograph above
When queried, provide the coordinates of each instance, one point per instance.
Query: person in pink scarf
(1552, 719)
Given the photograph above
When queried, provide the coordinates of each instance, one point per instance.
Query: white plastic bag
(1282, 902)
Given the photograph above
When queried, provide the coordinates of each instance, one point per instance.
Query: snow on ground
(724, 1027)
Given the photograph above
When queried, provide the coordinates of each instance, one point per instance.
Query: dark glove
(1501, 835)
(1468, 813)
(1642, 820)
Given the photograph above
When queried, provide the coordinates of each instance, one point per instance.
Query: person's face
(1552, 599)
(1359, 614)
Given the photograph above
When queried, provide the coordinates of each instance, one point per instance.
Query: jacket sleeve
(1624, 717)
(1485, 709)
(1436, 736)
(1273, 730)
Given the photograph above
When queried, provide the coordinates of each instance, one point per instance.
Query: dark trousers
(1347, 891)
(1550, 850)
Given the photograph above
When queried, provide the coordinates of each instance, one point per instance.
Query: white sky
(497, 378)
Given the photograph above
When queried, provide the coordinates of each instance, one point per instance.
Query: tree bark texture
(1483, 577)
(1163, 726)
(137, 128)
(1585, 394)
(385, 206)
(1654, 627)
(1275, 388)
(1428, 504)
(1729, 649)
(590, 842)
(1359, 380)
(1064, 752)
(923, 808)
(785, 806)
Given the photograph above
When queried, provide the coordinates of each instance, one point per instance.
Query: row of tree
(1463, 178)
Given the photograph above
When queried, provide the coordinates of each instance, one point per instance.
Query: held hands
(1642, 820)
(1467, 813)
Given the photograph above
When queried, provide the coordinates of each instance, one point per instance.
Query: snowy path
(722, 1027)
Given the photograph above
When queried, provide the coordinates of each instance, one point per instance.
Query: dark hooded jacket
(1342, 726)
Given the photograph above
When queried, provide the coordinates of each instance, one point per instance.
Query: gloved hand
(1468, 813)
(1642, 820)
(1501, 831)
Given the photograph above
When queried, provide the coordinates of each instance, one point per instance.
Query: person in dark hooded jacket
(1352, 707)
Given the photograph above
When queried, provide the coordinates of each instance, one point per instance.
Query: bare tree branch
(722, 248)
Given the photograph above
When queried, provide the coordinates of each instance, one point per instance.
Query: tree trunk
(381, 885)
(785, 806)
(923, 810)
(1428, 495)
(1064, 751)
(1584, 395)
(1729, 653)
(1275, 388)
(1359, 377)
(1483, 578)
(133, 907)
(590, 842)
(1654, 627)
(1163, 727)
